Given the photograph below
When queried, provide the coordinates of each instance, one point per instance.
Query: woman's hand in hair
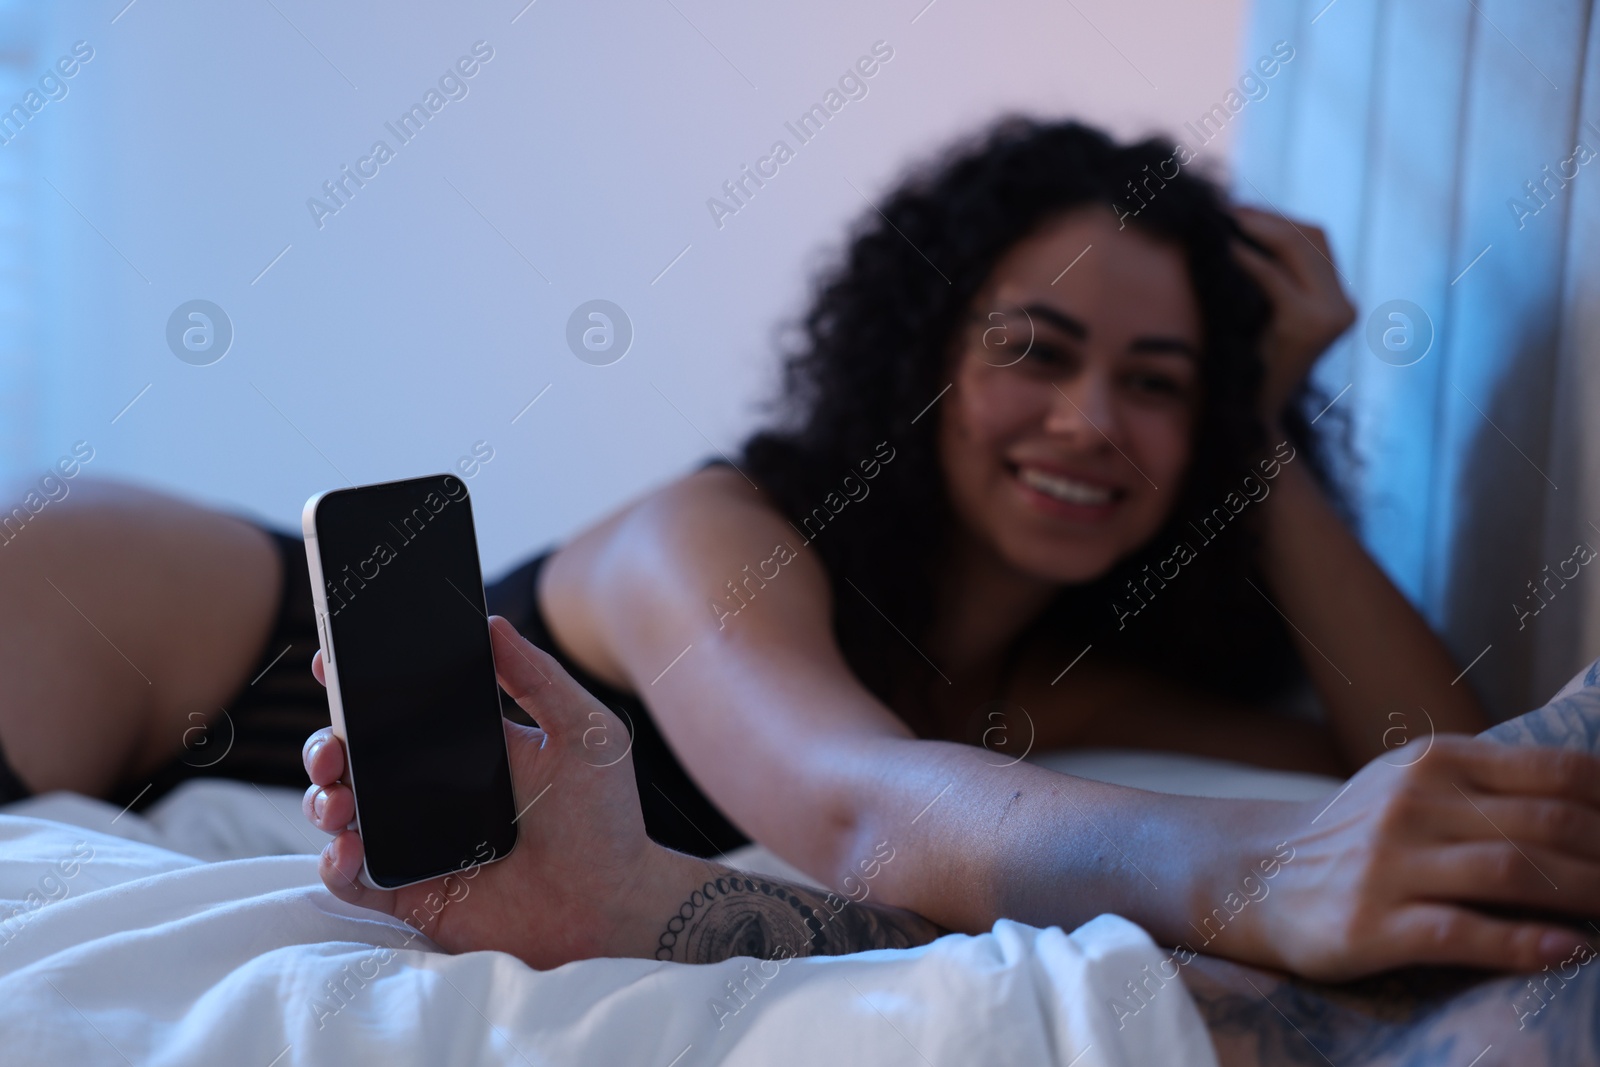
(1309, 306)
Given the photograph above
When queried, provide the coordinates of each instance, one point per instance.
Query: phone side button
(322, 634)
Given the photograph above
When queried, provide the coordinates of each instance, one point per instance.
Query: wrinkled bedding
(199, 933)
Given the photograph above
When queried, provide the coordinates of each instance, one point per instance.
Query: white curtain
(20, 398)
(1451, 149)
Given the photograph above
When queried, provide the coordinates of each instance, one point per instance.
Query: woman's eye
(1158, 385)
(1048, 355)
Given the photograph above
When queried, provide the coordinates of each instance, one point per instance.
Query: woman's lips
(1065, 496)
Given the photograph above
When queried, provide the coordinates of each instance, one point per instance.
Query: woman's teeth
(1073, 492)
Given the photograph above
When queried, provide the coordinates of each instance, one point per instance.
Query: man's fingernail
(311, 757)
(319, 804)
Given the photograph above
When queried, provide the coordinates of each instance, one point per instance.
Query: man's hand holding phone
(584, 879)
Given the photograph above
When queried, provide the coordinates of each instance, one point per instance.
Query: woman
(1043, 453)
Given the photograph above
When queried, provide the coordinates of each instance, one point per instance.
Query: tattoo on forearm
(739, 914)
(1571, 722)
(1414, 1018)
(1418, 1017)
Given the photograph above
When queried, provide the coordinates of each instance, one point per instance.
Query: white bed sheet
(199, 934)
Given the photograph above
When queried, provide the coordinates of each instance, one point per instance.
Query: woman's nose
(1082, 408)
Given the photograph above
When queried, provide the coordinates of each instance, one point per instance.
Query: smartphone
(410, 673)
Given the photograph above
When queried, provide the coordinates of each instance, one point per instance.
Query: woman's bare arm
(1380, 671)
(773, 725)
(768, 718)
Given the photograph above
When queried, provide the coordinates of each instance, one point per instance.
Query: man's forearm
(1433, 1017)
(699, 911)
(1571, 720)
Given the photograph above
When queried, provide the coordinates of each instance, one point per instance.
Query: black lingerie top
(676, 813)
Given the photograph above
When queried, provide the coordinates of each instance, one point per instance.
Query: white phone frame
(330, 670)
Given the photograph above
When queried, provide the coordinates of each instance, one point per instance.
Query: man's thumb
(533, 678)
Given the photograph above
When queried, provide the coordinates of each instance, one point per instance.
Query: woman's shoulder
(701, 514)
(672, 555)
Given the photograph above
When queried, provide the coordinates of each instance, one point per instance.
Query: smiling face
(1067, 431)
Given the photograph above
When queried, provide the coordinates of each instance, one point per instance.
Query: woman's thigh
(126, 617)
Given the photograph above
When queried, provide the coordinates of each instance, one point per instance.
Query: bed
(198, 933)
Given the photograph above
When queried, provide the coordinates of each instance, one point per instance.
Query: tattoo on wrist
(739, 914)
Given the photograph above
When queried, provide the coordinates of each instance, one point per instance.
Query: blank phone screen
(416, 677)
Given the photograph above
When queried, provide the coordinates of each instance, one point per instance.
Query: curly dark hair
(872, 353)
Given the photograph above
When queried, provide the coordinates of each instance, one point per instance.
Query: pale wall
(407, 328)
